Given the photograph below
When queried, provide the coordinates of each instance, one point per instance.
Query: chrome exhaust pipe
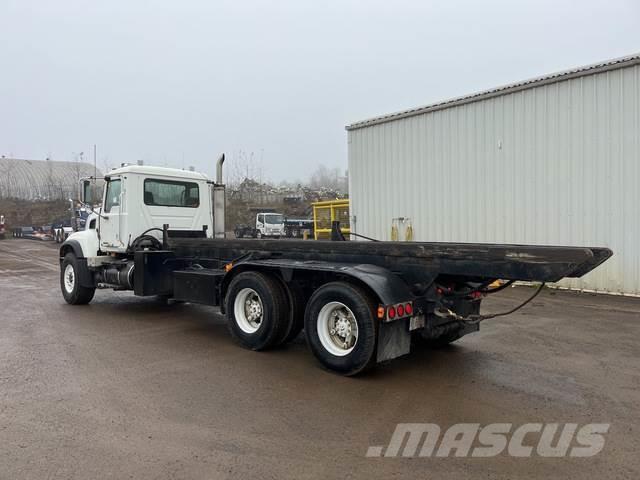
(219, 202)
(219, 170)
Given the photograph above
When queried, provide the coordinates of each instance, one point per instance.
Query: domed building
(41, 179)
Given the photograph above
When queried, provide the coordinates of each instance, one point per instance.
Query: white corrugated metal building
(553, 160)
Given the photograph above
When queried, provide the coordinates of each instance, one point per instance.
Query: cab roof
(158, 172)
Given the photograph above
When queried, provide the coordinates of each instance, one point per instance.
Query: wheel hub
(337, 328)
(69, 278)
(253, 309)
(342, 325)
(248, 310)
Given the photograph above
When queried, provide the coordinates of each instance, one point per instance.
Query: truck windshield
(274, 219)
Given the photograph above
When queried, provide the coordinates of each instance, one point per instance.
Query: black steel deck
(509, 262)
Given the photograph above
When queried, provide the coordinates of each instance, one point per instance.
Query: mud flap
(85, 277)
(394, 340)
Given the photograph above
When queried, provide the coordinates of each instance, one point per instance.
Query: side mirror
(90, 191)
(85, 192)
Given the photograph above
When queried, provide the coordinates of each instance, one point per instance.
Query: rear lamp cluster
(399, 310)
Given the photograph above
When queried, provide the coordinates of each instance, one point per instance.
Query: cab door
(260, 223)
(111, 216)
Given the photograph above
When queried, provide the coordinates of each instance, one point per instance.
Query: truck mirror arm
(86, 205)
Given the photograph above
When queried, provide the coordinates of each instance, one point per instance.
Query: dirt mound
(21, 213)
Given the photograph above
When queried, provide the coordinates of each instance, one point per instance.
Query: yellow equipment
(324, 213)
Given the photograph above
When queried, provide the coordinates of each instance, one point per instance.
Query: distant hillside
(26, 213)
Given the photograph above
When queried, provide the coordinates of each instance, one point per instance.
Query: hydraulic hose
(477, 318)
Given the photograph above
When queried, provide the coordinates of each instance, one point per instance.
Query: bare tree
(325, 177)
(242, 166)
(106, 163)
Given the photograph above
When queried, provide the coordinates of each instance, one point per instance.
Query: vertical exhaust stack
(72, 215)
(219, 201)
(219, 169)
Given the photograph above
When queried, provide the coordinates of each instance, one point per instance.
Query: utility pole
(95, 164)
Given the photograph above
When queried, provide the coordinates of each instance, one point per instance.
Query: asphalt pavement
(129, 387)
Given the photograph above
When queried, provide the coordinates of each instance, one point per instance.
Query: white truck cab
(269, 225)
(139, 200)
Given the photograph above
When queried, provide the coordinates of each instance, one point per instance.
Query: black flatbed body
(508, 262)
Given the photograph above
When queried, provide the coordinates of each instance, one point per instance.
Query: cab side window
(169, 193)
(114, 188)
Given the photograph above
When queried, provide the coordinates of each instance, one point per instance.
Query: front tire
(341, 328)
(72, 291)
(257, 311)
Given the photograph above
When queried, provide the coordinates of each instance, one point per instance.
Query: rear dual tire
(298, 301)
(442, 341)
(341, 328)
(257, 310)
(339, 320)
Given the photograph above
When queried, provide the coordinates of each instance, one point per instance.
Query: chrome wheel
(69, 278)
(337, 328)
(248, 310)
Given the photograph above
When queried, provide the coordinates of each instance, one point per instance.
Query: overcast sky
(176, 82)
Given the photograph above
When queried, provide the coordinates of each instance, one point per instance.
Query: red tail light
(397, 311)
